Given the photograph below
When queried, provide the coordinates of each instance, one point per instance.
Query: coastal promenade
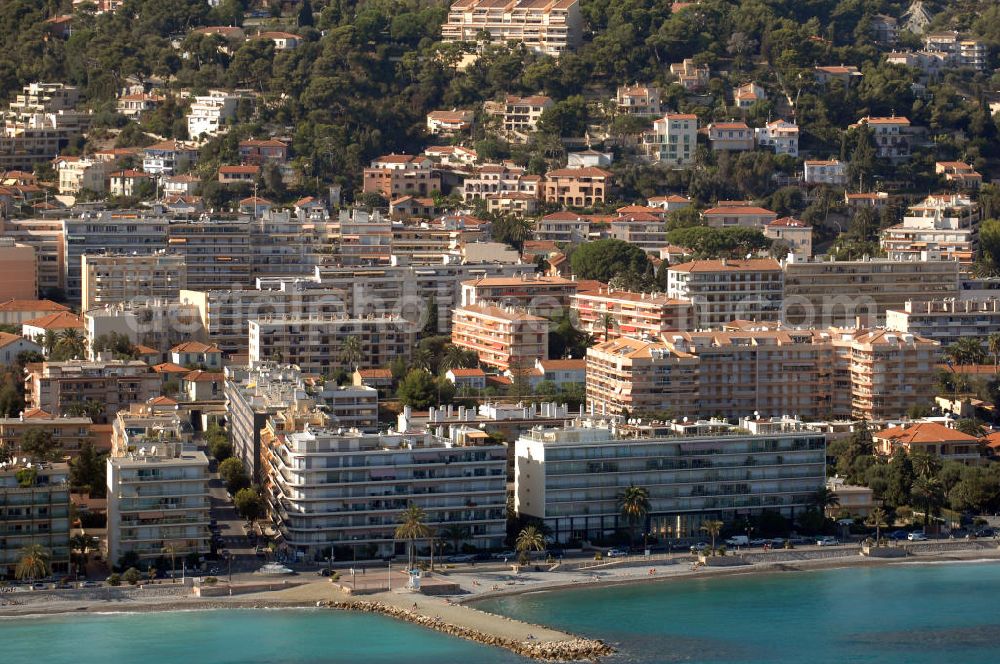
(455, 616)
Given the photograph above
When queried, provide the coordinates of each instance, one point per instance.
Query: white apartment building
(942, 227)
(77, 174)
(347, 489)
(209, 113)
(672, 140)
(637, 100)
(115, 278)
(947, 320)
(547, 26)
(571, 477)
(824, 171)
(157, 498)
(520, 115)
(781, 136)
(960, 51)
(891, 135)
(492, 179)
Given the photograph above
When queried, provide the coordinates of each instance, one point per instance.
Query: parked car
(738, 540)
(461, 558)
(759, 541)
(505, 555)
(324, 572)
(699, 547)
(898, 535)
(616, 553)
(916, 536)
(800, 540)
(986, 532)
(88, 584)
(827, 540)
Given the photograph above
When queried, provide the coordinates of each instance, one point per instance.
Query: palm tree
(72, 342)
(171, 551)
(84, 544)
(412, 527)
(350, 352)
(993, 343)
(607, 321)
(458, 358)
(529, 539)
(32, 563)
(929, 494)
(877, 518)
(634, 505)
(925, 464)
(49, 341)
(712, 528)
(967, 350)
(421, 359)
(455, 534)
(824, 498)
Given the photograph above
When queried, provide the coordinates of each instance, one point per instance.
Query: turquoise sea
(911, 614)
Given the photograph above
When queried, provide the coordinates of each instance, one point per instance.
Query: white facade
(209, 113)
(831, 171)
(673, 139)
(780, 136)
(347, 489)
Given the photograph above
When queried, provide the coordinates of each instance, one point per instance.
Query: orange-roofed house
(447, 123)
(960, 174)
(669, 203)
(133, 106)
(238, 174)
(690, 75)
(472, 379)
(795, 233)
(520, 115)
(196, 354)
(891, 135)
(747, 216)
(726, 290)
(58, 322)
(255, 206)
(127, 182)
(283, 41)
(565, 373)
(380, 379)
(259, 151)
(201, 385)
(643, 100)
(930, 438)
(396, 175)
(731, 136)
(844, 74)
(16, 312)
(577, 187)
(168, 157)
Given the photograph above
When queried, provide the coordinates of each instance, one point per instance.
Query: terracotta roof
(587, 171)
(37, 414)
(169, 367)
(467, 373)
(194, 347)
(199, 376)
(31, 305)
(247, 170)
(145, 350)
(161, 401)
(262, 143)
(739, 210)
(375, 373)
(170, 145)
(61, 320)
(890, 120)
(6, 338)
(564, 365)
(788, 222)
(278, 35)
(728, 125)
(498, 312)
(924, 433)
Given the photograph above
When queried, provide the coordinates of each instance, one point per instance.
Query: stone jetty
(571, 649)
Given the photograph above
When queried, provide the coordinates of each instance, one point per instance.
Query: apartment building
(824, 171)
(548, 26)
(943, 227)
(672, 140)
(196, 354)
(731, 136)
(645, 229)
(504, 338)
(494, 179)
(152, 322)
(822, 293)
(725, 290)
(363, 238)
(540, 295)
(158, 497)
(780, 135)
(960, 51)
(519, 116)
(168, 157)
(642, 100)
(891, 136)
(959, 173)
(77, 174)
(34, 509)
(260, 151)
(396, 175)
(346, 489)
(316, 344)
(18, 270)
(768, 370)
(39, 123)
(135, 105)
(611, 313)
(946, 320)
(115, 278)
(571, 477)
(563, 227)
(691, 76)
(210, 113)
(930, 63)
(61, 388)
(885, 29)
(46, 237)
(68, 433)
(794, 233)
(577, 187)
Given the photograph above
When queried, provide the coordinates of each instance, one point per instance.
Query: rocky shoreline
(573, 650)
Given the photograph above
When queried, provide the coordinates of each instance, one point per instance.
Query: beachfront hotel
(328, 487)
(571, 477)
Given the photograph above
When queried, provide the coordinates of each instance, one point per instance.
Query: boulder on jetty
(555, 651)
